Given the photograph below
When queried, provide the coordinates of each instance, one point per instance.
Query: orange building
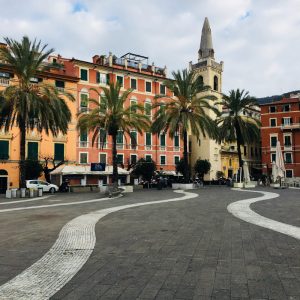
(132, 71)
(61, 147)
(281, 122)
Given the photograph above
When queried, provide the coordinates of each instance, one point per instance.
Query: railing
(290, 126)
(4, 82)
(83, 144)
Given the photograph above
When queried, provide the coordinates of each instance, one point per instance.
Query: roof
(85, 170)
(282, 101)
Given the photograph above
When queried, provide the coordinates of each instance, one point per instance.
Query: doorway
(3, 181)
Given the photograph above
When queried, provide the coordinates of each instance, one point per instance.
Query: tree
(33, 169)
(235, 123)
(185, 112)
(31, 106)
(180, 166)
(144, 168)
(110, 116)
(47, 159)
(202, 167)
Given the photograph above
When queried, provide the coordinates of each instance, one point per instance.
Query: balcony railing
(290, 126)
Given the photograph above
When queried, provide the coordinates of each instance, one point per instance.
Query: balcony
(291, 126)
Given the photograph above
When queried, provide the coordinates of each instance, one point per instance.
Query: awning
(86, 170)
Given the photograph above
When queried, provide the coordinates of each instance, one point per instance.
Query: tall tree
(113, 117)
(27, 105)
(236, 124)
(185, 112)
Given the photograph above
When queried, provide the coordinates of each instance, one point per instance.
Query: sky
(258, 40)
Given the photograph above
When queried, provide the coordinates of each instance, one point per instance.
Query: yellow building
(38, 145)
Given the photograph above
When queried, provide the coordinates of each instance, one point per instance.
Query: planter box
(183, 186)
(238, 184)
(126, 188)
(249, 185)
(275, 185)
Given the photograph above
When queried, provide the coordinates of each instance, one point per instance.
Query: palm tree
(111, 116)
(185, 112)
(27, 105)
(235, 123)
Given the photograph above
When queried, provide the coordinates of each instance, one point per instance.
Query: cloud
(258, 43)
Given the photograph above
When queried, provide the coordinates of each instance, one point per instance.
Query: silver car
(37, 184)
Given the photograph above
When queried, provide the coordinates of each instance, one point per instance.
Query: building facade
(38, 145)
(210, 73)
(281, 122)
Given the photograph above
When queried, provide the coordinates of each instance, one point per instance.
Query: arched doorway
(3, 181)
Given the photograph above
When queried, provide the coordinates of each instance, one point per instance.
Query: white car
(37, 184)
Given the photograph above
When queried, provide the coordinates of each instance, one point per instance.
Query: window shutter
(163, 140)
(4, 149)
(59, 151)
(32, 150)
(120, 137)
(83, 135)
(176, 141)
(291, 120)
(98, 77)
(107, 78)
(148, 139)
(282, 120)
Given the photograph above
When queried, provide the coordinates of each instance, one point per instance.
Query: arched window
(200, 78)
(216, 83)
(3, 172)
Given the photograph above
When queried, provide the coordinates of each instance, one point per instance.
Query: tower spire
(206, 46)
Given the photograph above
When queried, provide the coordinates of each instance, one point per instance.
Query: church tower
(210, 73)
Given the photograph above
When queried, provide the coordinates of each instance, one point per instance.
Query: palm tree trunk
(185, 157)
(22, 180)
(238, 142)
(115, 161)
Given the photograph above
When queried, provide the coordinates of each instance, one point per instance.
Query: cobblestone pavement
(192, 249)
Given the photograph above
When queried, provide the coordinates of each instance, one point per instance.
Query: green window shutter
(148, 158)
(176, 160)
(148, 86)
(148, 139)
(4, 150)
(120, 137)
(163, 140)
(133, 83)
(162, 89)
(83, 100)
(84, 74)
(273, 141)
(133, 139)
(98, 77)
(107, 78)
(148, 109)
(32, 150)
(102, 137)
(59, 152)
(120, 80)
(120, 158)
(176, 141)
(162, 160)
(83, 135)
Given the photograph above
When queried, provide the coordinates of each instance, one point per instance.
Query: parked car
(36, 184)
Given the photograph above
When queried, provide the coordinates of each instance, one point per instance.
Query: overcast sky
(258, 40)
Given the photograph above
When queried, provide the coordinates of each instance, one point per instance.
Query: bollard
(40, 192)
(23, 192)
(14, 193)
(31, 193)
(8, 194)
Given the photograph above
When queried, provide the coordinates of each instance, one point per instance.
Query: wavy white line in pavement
(75, 244)
(27, 200)
(55, 205)
(241, 209)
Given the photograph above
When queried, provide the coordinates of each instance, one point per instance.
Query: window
(272, 109)
(84, 74)
(32, 150)
(102, 138)
(288, 157)
(83, 138)
(148, 139)
(101, 78)
(245, 150)
(133, 83)
(162, 159)
(59, 151)
(120, 139)
(83, 102)
(286, 107)
(273, 157)
(83, 158)
(287, 141)
(200, 79)
(162, 140)
(133, 158)
(273, 141)
(162, 89)
(176, 159)
(120, 159)
(216, 84)
(60, 84)
(120, 80)
(286, 121)
(273, 122)
(102, 158)
(148, 157)
(133, 139)
(289, 173)
(148, 107)
(148, 87)
(4, 150)
(176, 141)
(133, 105)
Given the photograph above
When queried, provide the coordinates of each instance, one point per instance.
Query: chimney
(95, 59)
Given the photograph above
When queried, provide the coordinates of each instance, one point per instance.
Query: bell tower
(210, 73)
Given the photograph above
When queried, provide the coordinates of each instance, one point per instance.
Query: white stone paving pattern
(70, 252)
(241, 209)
